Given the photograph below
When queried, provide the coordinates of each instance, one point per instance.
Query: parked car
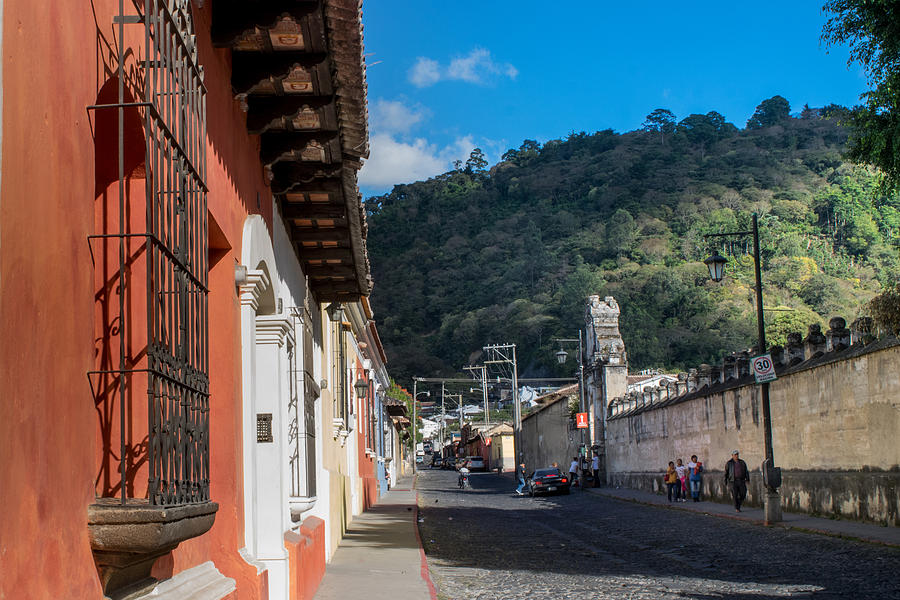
(475, 463)
(548, 481)
(420, 460)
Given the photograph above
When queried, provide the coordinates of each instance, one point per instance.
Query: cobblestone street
(488, 543)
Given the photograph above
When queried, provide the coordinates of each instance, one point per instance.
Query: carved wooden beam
(297, 113)
(240, 23)
(294, 210)
(281, 73)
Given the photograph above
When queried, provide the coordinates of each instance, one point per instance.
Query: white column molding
(274, 329)
(257, 282)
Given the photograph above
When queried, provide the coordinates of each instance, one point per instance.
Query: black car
(548, 481)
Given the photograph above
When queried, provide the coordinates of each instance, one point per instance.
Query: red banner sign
(581, 420)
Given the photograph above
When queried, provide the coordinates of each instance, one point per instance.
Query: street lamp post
(415, 423)
(771, 476)
(561, 356)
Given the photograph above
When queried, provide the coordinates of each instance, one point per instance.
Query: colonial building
(182, 415)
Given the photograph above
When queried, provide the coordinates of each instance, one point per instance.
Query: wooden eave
(299, 73)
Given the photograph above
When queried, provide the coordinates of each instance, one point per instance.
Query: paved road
(487, 543)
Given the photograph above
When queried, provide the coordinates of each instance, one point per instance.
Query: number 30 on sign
(763, 368)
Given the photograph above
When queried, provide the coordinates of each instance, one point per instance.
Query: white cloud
(459, 149)
(425, 72)
(393, 116)
(476, 67)
(392, 161)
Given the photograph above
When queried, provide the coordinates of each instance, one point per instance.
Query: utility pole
(506, 354)
(483, 377)
(443, 419)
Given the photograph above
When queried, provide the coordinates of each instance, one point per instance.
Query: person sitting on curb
(738, 476)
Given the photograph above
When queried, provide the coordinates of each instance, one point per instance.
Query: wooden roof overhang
(395, 408)
(298, 71)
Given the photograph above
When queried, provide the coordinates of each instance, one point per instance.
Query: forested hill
(477, 256)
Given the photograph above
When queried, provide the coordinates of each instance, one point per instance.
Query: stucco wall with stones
(835, 420)
(546, 437)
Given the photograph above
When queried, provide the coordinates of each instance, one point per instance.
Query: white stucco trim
(203, 582)
(258, 256)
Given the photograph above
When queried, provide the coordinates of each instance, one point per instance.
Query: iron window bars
(176, 253)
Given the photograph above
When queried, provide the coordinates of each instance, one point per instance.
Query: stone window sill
(299, 505)
(127, 539)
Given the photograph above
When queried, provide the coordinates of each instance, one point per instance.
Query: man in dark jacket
(737, 475)
(520, 475)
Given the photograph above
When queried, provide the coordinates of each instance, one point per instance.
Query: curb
(424, 572)
(753, 521)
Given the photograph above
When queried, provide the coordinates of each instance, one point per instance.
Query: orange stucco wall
(366, 464)
(46, 304)
(50, 442)
(306, 554)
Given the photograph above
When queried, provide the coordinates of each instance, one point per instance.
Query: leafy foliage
(770, 112)
(872, 30)
(396, 392)
(885, 309)
(510, 254)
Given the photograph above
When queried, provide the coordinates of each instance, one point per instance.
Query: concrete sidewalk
(380, 557)
(867, 532)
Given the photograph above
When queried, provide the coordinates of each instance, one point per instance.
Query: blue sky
(445, 77)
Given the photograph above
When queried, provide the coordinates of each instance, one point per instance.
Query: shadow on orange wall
(120, 323)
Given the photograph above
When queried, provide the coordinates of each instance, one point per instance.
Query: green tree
(770, 112)
(661, 121)
(476, 162)
(872, 30)
(621, 233)
(885, 309)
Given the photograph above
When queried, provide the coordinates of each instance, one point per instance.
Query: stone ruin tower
(605, 366)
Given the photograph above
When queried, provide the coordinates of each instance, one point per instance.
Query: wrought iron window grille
(175, 250)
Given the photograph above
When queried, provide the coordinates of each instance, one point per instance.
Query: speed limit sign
(763, 368)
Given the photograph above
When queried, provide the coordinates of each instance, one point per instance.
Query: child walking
(671, 479)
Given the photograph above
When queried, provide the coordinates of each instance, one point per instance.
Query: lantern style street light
(362, 387)
(335, 312)
(561, 357)
(716, 264)
(771, 475)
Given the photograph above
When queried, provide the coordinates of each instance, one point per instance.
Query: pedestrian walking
(573, 470)
(681, 472)
(671, 480)
(737, 476)
(520, 474)
(695, 470)
(595, 469)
